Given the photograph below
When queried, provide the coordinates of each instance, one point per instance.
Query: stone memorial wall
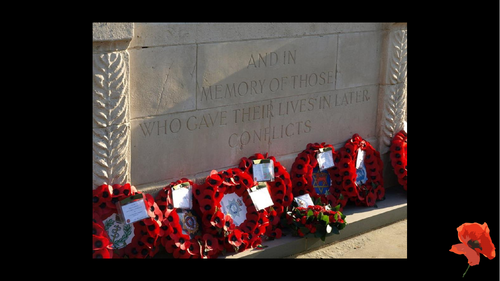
(175, 100)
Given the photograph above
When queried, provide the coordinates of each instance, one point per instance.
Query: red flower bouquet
(280, 190)
(363, 184)
(308, 178)
(180, 231)
(398, 157)
(315, 220)
(117, 239)
(229, 219)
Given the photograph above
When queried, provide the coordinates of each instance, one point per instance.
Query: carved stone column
(111, 127)
(392, 97)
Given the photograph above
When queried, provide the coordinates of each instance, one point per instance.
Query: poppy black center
(98, 244)
(474, 244)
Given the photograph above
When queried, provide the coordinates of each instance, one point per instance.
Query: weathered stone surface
(109, 31)
(359, 59)
(163, 81)
(192, 97)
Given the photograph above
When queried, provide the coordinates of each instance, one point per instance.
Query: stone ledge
(359, 220)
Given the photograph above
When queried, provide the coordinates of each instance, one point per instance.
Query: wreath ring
(398, 155)
(118, 240)
(280, 191)
(364, 194)
(220, 232)
(180, 231)
(303, 176)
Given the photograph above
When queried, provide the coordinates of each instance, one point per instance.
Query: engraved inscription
(220, 118)
(271, 59)
(194, 141)
(269, 86)
(239, 72)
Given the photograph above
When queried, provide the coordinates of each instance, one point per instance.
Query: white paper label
(233, 205)
(304, 200)
(134, 211)
(360, 158)
(261, 198)
(182, 198)
(263, 171)
(325, 160)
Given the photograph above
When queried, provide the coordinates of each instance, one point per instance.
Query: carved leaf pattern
(394, 111)
(395, 93)
(110, 86)
(111, 129)
(398, 58)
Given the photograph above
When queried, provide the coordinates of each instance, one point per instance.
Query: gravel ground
(385, 242)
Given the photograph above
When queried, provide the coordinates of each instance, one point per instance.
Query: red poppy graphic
(475, 240)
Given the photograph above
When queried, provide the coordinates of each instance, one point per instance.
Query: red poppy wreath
(180, 231)
(280, 190)
(307, 177)
(230, 221)
(359, 172)
(398, 157)
(117, 239)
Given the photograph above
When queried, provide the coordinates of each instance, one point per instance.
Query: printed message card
(263, 170)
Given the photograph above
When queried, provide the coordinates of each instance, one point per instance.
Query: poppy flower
(101, 196)
(475, 240)
(207, 205)
(300, 166)
(211, 242)
(217, 219)
(371, 198)
(214, 179)
(275, 233)
(194, 249)
(228, 223)
(246, 180)
(182, 253)
(234, 238)
(245, 164)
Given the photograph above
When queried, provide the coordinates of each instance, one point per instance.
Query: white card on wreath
(134, 211)
(233, 205)
(360, 158)
(260, 196)
(263, 170)
(181, 196)
(304, 200)
(325, 158)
